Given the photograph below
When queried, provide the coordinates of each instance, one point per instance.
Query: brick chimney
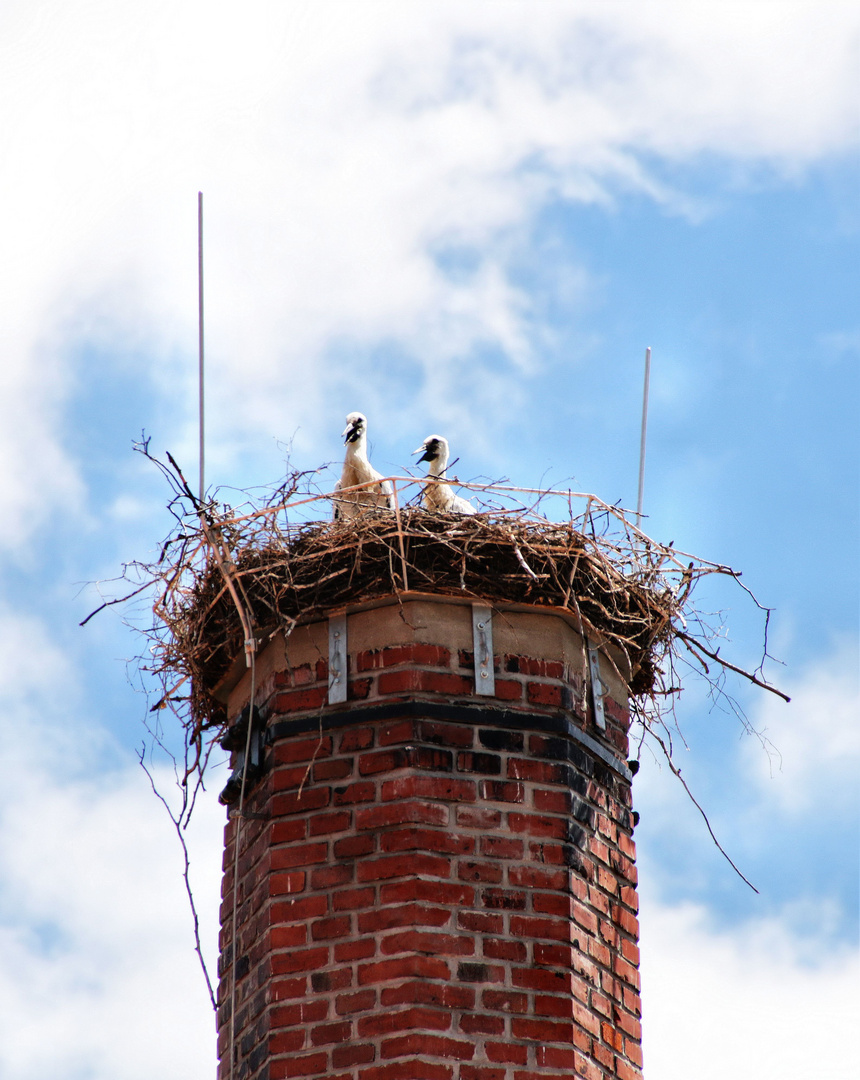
(436, 870)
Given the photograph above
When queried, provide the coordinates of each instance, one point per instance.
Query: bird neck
(357, 450)
(437, 466)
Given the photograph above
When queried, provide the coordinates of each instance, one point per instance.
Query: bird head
(356, 426)
(433, 448)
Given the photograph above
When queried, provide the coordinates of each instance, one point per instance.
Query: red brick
(286, 937)
(299, 960)
(509, 1001)
(509, 1052)
(533, 877)
(552, 799)
(504, 899)
(284, 858)
(384, 761)
(300, 700)
(544, 1031)
(360, 949)
(309, 1065)
(435, 731)
(478, 817)
(410, 1069)
(320, 824)
(353, 1054)
(501, 791)
(501, 847)
(327, 876)
(283, 989)
(552, 1005)
(477, 1072)
(305, 1012)
(358, 689)
(357, 738)
(423, 941)
(508, 690)
(430, 1045)
(397, 731)
(402, 866)
(410, 914)
(555, 1057)
(351, 847)
(331, 1033)
(286, 751)
(442, 892)
(402, 967)
(415, 653)
(413, 810)
(552, 904)
(384, 1023)
(363, 791)
(505, 949)
(335, 769)
(336, 926)
(544, 694)
(412, 680)
(527, 665)
(293, 802)
(538, 825)
(481, 1024)
(287, 832)
(291, 882)
(552, 955)
(480, 923)
(429, 787)
(360, 1001)
(554, 929)
(411, 838)
(447, 995)
(469, 870)
(306, 907)
(544, 979)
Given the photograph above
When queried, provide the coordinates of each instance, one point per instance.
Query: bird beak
(423, 450)
(420, 450)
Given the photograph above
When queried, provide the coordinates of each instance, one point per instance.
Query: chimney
(436, 874)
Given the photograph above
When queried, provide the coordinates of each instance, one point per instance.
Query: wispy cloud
(339, 148)
(748, 1002)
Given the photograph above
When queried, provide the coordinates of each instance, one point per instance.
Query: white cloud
(339, 146)
(746, 1002)
(816, 736)
(95, 929)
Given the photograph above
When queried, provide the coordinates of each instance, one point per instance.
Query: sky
(469, 218)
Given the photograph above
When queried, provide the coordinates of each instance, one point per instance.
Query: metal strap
(337, 659)
(598, 687)
(482, 644)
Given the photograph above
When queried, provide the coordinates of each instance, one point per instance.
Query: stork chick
(438, 496)
(358, 470)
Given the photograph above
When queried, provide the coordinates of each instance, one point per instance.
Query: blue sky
(469, 218)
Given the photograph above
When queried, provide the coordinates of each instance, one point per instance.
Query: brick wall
(434, 885)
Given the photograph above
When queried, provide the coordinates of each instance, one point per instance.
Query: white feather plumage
(439, 496)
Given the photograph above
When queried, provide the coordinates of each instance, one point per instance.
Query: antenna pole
(642, 440)
(200, 326)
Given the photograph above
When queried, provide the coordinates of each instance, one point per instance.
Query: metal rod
(642, 440)
(200, 329)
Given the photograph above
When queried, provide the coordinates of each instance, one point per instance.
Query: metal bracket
(337, 659)
(482, 644)
(598, 687)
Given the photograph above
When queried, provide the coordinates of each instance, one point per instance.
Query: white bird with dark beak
(439, 496)
(358, 470)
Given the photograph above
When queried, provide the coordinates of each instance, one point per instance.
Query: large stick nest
(225, 578)
(322, 567)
